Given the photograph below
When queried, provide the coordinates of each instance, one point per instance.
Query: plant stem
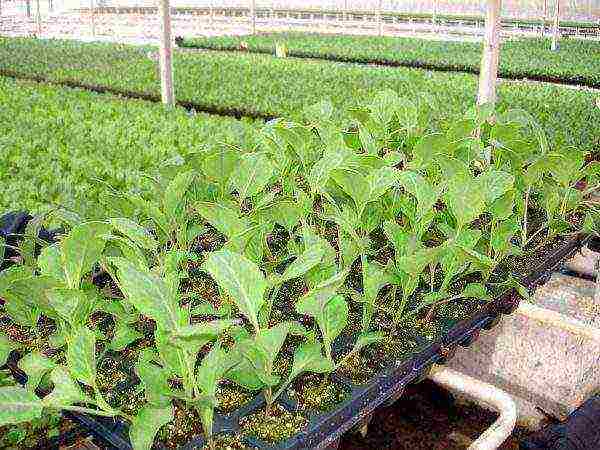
(524, 229)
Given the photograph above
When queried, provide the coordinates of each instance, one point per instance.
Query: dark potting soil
(426, 418)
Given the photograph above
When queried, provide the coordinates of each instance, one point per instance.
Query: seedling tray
(325, 429)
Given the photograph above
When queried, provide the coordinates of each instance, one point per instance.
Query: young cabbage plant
(178, 342)
(21, 404)
(62, 290)
(169, 215)
(330, 313)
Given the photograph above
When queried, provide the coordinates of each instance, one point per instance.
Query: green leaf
(81, 356)
(81, 249)
(495, 183)
(124, 335)
(419, 187)
(285, 213)
(502, 207)
(175, 192)
(224, 220)
(465, 199)
(18, 405)
(154, 380)
(201, 334)
(321, 172)
(333, 318)
(66, 391)
(133, 231)
(146, 424)
(427, 149)
(312, 256)
(475, 290)
(65, 303)
(241, 279)
(308, 358)
(366, 189)
(313, 302)
(219, 166)
(6, 346)
(366, 339)
(148, 293)
(252, 174)
(374, 279)
(50, 263)
(35, 365)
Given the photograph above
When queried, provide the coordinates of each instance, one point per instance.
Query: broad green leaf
(66, 391)
(321, 172)
(81, 249)
(374, 278)
(81, 356)
(219, 165)
(175, 192)
(241, 279)
(35, 365)
(308, 358)
(427, 150)
(133, 231)
(419, 188)
(312, 256)
(148, 293)
(333, 318)
(366, 339)
(369, 144)
(201, 334)
(50, 263)
(313, 302)
(124, 335)
(252, 174)
(18, 405)
(151, 211)
(155, 382)
(225, 220)
(403, 241)
(415, 263)
(465, 199)
(502, 207)
(285, 213)
(495, 183)
(475, 290)
(6, 346)
(212, 369)
(65, 303)
(146, 424)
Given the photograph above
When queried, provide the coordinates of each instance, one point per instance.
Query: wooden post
(379, 20)
(435, 12)
(93, 17)
(38, 18)
(28, 5)
(166, 55)
(556, 29)
(253, 15)
(212, 13)
(491, 50)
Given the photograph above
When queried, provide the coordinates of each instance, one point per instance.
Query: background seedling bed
(325, 429)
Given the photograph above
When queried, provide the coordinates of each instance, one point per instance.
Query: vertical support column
(435, 13)
(253, 15)
(379, 19)
(212, 13)
(93, 17)
(556, 27)
(166, 55)
(490, 57)
(28, 6)
(38, 18)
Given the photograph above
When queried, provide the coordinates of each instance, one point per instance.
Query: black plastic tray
(325, 429)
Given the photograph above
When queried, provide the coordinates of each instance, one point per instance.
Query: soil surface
(426, 418)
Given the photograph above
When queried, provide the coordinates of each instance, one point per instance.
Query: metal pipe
(553, 318)
(488, 395)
